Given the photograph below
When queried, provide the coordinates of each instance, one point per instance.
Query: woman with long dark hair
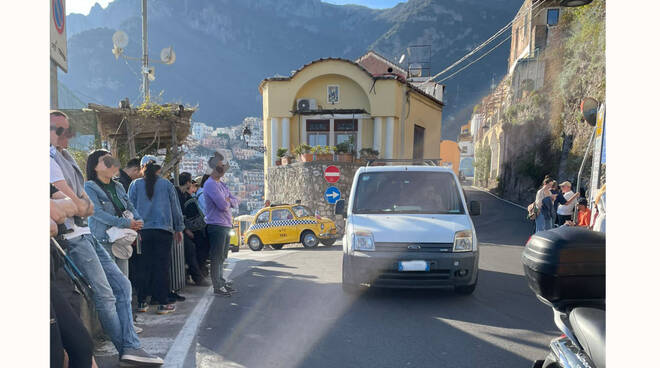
(543, 203)
(156, 200)
(112, 208)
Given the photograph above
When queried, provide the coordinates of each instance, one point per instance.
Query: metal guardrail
(423, 161)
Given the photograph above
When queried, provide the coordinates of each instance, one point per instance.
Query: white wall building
(201, 131)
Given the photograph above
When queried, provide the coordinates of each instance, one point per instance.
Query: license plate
(413, 266)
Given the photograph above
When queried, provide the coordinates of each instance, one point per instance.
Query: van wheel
(277, 246)
(465, 290)
(309, 239)
(255, 243)
(347, 284)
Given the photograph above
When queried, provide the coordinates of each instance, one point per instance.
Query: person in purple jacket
(219, 203)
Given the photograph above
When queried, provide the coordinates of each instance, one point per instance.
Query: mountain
(225, 48)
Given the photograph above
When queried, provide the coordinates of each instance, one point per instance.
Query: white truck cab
(408, 227)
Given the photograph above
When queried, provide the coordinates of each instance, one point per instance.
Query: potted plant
(369, 154)
(288, 159)
(344, 152)
(281, 152)
(304, 153)
(324, 153)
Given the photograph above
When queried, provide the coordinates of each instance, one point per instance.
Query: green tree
(482, 157)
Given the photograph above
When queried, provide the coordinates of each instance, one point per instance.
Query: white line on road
(176, 356)
(501, 199)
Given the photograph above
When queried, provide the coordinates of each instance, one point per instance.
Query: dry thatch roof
(150, 125)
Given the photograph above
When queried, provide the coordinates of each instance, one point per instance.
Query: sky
(83, 6)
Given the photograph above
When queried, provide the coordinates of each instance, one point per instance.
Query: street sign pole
(145, 54)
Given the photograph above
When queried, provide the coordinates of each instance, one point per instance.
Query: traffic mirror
(589, 108)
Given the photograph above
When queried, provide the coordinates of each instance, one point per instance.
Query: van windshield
(407, 192)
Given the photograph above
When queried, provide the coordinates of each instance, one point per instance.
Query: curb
(501, 199)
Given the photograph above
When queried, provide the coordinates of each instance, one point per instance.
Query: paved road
(291, 312)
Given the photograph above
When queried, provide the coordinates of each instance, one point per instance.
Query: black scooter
(565, 267)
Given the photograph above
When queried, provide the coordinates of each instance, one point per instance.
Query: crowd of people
(117, 227)
(555, 206)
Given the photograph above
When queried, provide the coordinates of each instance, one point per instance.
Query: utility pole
(145, 53)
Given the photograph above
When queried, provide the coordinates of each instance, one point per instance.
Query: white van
(409, 227)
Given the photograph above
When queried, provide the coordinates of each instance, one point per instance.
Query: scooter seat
(589, 327)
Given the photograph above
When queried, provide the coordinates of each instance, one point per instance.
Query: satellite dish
(120, 39)
(151, 74)
(402, 58)
(415, 70)
(167, 55)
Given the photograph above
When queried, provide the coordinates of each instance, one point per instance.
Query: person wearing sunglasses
(111, 288)
(111, 204)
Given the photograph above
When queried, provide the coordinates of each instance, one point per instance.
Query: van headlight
(364, 241)
(463, 241)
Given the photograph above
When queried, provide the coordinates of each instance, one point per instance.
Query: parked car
(279, 225)
(409, 227)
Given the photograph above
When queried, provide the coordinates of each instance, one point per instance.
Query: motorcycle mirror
(589, 108)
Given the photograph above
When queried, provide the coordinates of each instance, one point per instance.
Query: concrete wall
(304, 181)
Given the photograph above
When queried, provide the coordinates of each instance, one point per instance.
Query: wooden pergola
(166, 127)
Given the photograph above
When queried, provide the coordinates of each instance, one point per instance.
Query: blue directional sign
(332, 195)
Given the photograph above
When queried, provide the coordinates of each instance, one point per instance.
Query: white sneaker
(137, 329)
(139, 357)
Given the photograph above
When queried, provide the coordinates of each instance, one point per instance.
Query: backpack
(196, 222)
(532, 211)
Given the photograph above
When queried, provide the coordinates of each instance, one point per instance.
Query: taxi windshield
(302, 211)
(407, 192)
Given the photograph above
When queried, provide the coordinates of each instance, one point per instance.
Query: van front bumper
(381, 269)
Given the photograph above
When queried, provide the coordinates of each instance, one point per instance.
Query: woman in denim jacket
(101, 168)
(158, 203)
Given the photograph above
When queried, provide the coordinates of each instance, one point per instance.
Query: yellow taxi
(279, 225)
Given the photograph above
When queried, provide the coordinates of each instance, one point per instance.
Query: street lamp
(247, 133)
(167, 55)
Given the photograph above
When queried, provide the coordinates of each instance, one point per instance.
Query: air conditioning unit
(306, 104)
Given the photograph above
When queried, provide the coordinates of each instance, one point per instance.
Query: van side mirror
(475, 208)
(340, 207)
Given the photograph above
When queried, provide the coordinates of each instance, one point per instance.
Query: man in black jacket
(129, 173)
(190, 211)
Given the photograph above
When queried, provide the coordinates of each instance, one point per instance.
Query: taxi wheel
(328, 242)
(255, 243)
(277, 246)
(309, 239)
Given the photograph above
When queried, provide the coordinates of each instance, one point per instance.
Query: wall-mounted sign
(58, 33)
(333, 94)
(331, 174)
(332, 195)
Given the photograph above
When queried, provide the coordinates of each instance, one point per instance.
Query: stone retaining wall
(304, 181)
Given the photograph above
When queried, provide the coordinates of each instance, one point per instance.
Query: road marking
(501, 199)
(176, 356)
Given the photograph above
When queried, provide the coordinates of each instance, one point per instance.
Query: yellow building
(329, 100)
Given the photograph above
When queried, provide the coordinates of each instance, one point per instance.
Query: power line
(489, 40)
(474, 61)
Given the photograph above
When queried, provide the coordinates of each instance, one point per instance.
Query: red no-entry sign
(331, 174)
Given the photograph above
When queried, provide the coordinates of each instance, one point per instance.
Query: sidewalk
(162, 332)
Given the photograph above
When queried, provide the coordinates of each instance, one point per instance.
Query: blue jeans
(112, 290)
(121, 263)
(219, 245)
(543, 223)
